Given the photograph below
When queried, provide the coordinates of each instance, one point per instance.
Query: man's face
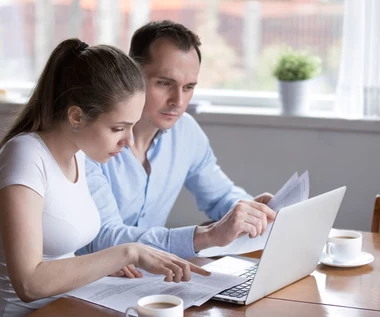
(171, 77)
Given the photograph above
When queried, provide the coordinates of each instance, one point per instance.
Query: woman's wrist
(130, 253)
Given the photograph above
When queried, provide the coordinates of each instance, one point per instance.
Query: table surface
(73, 307)
(349, 287)
(328, 291)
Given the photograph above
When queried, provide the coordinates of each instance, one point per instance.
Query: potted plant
(294, 71)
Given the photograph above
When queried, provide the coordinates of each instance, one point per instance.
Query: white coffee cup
(158, 306)
(344, 245)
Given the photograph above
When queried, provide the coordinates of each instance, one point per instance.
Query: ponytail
(94, 78)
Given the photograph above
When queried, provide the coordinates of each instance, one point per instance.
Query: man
(135, 191)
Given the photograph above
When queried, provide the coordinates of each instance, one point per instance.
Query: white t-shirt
(70, 219)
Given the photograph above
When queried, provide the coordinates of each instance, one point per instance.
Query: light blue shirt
(134, 207)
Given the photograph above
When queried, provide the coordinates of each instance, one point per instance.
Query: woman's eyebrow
(124, 123)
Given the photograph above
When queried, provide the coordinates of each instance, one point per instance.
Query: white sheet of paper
(119, 293)
(296, 189)
(241, 245)
(274, 203)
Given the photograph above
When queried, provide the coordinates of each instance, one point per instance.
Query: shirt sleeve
(113, 231)
(214, 192)
(21, 163)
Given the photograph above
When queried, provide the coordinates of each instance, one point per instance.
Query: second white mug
(344, 245)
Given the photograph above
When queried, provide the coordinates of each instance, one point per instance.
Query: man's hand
(263, 198)
(250, 217)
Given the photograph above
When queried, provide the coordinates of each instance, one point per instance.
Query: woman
(87, 99)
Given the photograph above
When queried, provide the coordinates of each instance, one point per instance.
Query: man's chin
(167, 123)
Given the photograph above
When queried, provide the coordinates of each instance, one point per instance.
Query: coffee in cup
(344, 245)
(158, 306)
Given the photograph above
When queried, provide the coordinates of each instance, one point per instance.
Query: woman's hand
(160, 262)
(129, 271)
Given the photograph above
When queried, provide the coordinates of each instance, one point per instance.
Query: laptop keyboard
(242, 290)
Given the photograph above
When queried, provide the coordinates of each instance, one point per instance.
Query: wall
(261, 152)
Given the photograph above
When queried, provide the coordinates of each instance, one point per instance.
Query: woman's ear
(75, 116)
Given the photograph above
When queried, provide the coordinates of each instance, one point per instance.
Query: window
(240, 38)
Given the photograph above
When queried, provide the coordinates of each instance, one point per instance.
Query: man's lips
(172, 114)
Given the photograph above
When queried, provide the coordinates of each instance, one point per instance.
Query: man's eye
(117, 129)
(163, 83)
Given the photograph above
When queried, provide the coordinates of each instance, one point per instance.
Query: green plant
(296, 65)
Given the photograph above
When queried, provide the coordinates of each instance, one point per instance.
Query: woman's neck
(60, 143)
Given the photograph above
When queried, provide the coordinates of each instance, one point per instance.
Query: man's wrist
(203, 238)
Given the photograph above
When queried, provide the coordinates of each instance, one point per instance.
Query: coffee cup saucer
(362, 259)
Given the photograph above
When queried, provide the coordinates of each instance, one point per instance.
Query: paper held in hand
(295, 190)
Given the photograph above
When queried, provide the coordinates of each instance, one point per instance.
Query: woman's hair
(146, 35)
(94, 78)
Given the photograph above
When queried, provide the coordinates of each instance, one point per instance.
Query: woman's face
(110, 132)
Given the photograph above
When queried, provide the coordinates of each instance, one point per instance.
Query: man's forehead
(165, 52)
(172, 73)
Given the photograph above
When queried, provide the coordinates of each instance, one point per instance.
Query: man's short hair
(146, 35)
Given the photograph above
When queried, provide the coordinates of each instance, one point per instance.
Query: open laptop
(292, 250)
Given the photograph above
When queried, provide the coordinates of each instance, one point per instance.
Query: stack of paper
(119, 293)
(296, 189)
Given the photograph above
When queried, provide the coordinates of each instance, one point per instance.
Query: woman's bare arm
(32, 278)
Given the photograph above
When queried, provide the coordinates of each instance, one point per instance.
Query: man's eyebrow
(125, 123)
(174, 81)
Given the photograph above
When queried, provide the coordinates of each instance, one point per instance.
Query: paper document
(119, 293)
(296, 189)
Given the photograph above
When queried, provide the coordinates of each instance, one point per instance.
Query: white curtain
(358, 91)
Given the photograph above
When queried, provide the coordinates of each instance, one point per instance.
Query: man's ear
(75, 116)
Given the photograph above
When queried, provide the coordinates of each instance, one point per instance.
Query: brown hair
(144, 37)
(94, 78)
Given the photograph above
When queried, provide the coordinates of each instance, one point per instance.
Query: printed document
(295, 190)
(119, 293)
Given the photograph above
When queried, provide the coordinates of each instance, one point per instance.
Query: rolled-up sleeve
(113, 231)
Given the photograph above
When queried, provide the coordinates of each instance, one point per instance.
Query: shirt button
(143, 215)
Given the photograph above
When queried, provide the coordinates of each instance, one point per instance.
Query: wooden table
(72, 307)
(349, 287)
(328, 291)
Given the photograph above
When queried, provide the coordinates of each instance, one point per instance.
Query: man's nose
(176, 98)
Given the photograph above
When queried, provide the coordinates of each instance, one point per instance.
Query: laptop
(292, 250)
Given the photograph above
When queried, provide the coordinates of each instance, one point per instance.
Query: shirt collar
(158, 135)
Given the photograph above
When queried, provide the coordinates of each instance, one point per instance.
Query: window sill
(272, 118)
(254, 116)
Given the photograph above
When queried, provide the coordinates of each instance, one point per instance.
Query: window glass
(240, 38)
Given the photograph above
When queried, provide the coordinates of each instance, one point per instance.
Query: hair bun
(81, 47)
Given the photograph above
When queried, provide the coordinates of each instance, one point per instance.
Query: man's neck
(144, 134)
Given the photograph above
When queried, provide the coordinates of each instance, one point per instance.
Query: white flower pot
(294, 97)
